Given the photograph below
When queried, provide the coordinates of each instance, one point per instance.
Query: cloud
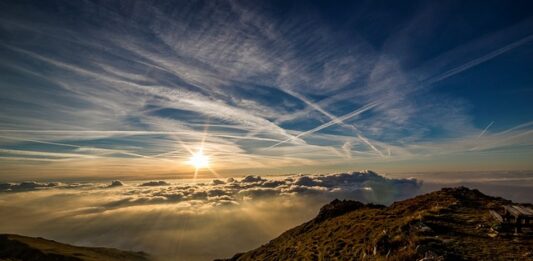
(197, 217)
(249, 179)
(155, 183)
(27, 185)
(259, 192)
(33, 185)
(365, 186)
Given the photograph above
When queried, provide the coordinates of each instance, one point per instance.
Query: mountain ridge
(449, 224)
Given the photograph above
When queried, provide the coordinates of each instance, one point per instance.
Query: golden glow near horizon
(199, 160)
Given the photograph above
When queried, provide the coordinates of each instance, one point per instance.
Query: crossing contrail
(332, 122)
(485, 130)
(335, 119)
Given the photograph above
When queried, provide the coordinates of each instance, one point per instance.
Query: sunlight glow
(199, 160)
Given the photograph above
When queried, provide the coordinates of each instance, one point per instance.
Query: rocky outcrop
(340, 207)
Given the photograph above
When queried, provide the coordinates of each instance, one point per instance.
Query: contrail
(438, 78)
(47, 154)
(485, 130)
(79, 147)
(30, 159)
(335, 119)
(301, 98)
(461, 68)
(120, 83)
(508, 131)
(312, 104)
(332, 122)
(120, 132)
(494, 144)
(517, 127)
(365, 140)
(482, 59)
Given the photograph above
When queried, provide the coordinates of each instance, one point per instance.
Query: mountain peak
(449, 224)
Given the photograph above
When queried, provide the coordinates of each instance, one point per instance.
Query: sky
(105, 104)
(131, 89)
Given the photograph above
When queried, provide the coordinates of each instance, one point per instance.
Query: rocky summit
(450, 224)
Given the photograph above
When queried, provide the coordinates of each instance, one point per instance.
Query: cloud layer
(181, 220)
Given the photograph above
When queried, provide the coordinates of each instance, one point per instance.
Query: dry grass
(449, 225)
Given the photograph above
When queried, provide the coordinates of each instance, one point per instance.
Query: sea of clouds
(207, 219)
(184, 220)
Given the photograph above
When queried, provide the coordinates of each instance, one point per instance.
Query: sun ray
(199, 160)
(214, 172)
(195, 174)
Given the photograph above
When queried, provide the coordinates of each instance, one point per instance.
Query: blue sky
(123, 88)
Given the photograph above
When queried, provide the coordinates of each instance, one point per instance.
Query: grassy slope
(15, 247)
(451, 224)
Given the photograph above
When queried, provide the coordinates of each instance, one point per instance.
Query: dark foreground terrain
(450, 224)
(15, 248)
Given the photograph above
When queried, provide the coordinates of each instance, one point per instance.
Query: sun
(199, 160)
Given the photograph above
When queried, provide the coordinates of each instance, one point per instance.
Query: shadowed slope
(15, 247)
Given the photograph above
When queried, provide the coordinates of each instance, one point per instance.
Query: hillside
(15, 248)
(450, 224)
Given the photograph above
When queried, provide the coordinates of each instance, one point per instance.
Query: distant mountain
(450, 224)
(21, 248)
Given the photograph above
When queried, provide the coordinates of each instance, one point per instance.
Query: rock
(116, 183)
(336, 208)
(155, 183)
